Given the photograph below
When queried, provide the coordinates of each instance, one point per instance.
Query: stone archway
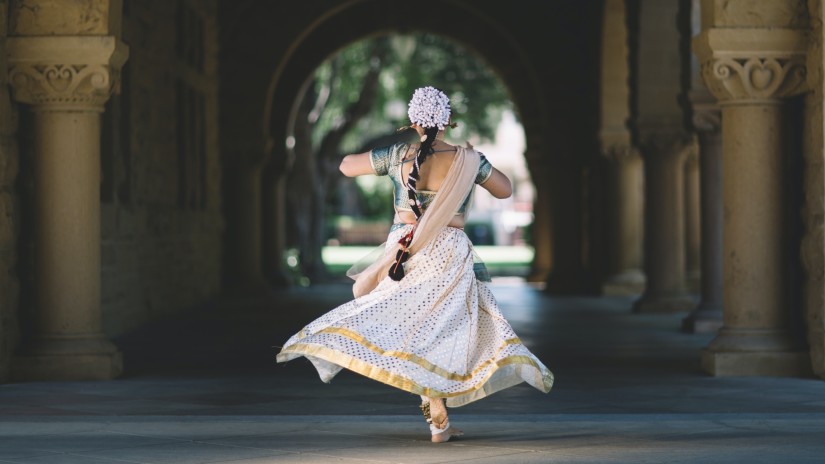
(313, 43)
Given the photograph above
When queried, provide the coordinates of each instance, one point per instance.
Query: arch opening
(354, 101)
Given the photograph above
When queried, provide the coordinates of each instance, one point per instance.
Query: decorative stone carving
(616, 144)
(755, 77)
(664, 142)
(706, 114)
(65, 73)
(619, 153)
(753, 64)
(62, 84)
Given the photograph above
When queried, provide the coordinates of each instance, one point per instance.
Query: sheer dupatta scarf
(454, 189)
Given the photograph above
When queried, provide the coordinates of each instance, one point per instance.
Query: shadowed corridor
(219, 359)
(204, 387)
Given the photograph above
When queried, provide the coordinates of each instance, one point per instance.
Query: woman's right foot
(441, 437)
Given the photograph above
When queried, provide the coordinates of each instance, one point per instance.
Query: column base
(816, 340)
(703, 319)
(762, 352)
(68, 358)
(626, 283)
(664, 304)
(756, 363)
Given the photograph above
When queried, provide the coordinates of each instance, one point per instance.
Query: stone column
(568, 276)
(541, 230)
(274, 225)
(65, 80)
(626, 187)
(812, 249)
(244, 248)
(664, 155)
(751, 83)
(707, 317)
(692, 220)
(661, 137)
(626, 224)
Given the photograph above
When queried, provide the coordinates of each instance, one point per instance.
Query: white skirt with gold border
(437, 332)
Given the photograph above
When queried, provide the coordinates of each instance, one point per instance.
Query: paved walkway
(204, 388)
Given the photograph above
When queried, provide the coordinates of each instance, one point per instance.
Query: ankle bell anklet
(425, 409)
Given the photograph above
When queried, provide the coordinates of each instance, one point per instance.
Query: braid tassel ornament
(396, 272)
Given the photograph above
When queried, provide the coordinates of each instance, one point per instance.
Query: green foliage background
(405, 62)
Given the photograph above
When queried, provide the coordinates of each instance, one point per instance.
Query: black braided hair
(396, 271)
(424, 150)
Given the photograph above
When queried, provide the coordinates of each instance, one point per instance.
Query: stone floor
(204, 387)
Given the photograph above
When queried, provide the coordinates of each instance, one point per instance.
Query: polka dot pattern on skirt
(437, 332)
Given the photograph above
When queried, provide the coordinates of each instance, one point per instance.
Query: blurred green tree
(356, 101)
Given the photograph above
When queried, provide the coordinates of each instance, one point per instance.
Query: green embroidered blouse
(386, 161)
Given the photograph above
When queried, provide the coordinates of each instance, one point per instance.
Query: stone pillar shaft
(665, 231)
(249, 223)
(244, 247)
(754, 339)
(275, 231)
(710, 161)
(567, 276)
(753, 221)
(707, 317)
(626, 226)
(693, 242)
(67, 222)
(542, 238)
(666, 260)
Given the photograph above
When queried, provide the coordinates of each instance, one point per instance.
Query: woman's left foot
(438, 412)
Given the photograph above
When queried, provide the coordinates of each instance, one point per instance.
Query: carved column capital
(692, 154)
(616, 144)
(707, 117)
(65, 73)
(706, 112)
(619, 153)
(753, 65)
(663, 142)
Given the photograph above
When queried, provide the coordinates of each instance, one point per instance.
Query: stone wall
(160, 192)
(9, 215)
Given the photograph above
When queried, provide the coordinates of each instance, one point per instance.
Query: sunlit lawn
(512, 260)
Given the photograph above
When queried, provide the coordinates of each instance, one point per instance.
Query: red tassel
(396, 271)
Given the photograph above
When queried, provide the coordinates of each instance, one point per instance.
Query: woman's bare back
(432, 173)
(431, 176)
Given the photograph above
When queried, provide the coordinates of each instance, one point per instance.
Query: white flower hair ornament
(429, 107)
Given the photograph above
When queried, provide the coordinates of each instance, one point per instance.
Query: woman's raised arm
(356, 165)
(498, 185)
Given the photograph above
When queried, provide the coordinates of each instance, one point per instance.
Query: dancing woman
(422, 321)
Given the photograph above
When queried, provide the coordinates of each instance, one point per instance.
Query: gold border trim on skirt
(414, 358)
(399, 381)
